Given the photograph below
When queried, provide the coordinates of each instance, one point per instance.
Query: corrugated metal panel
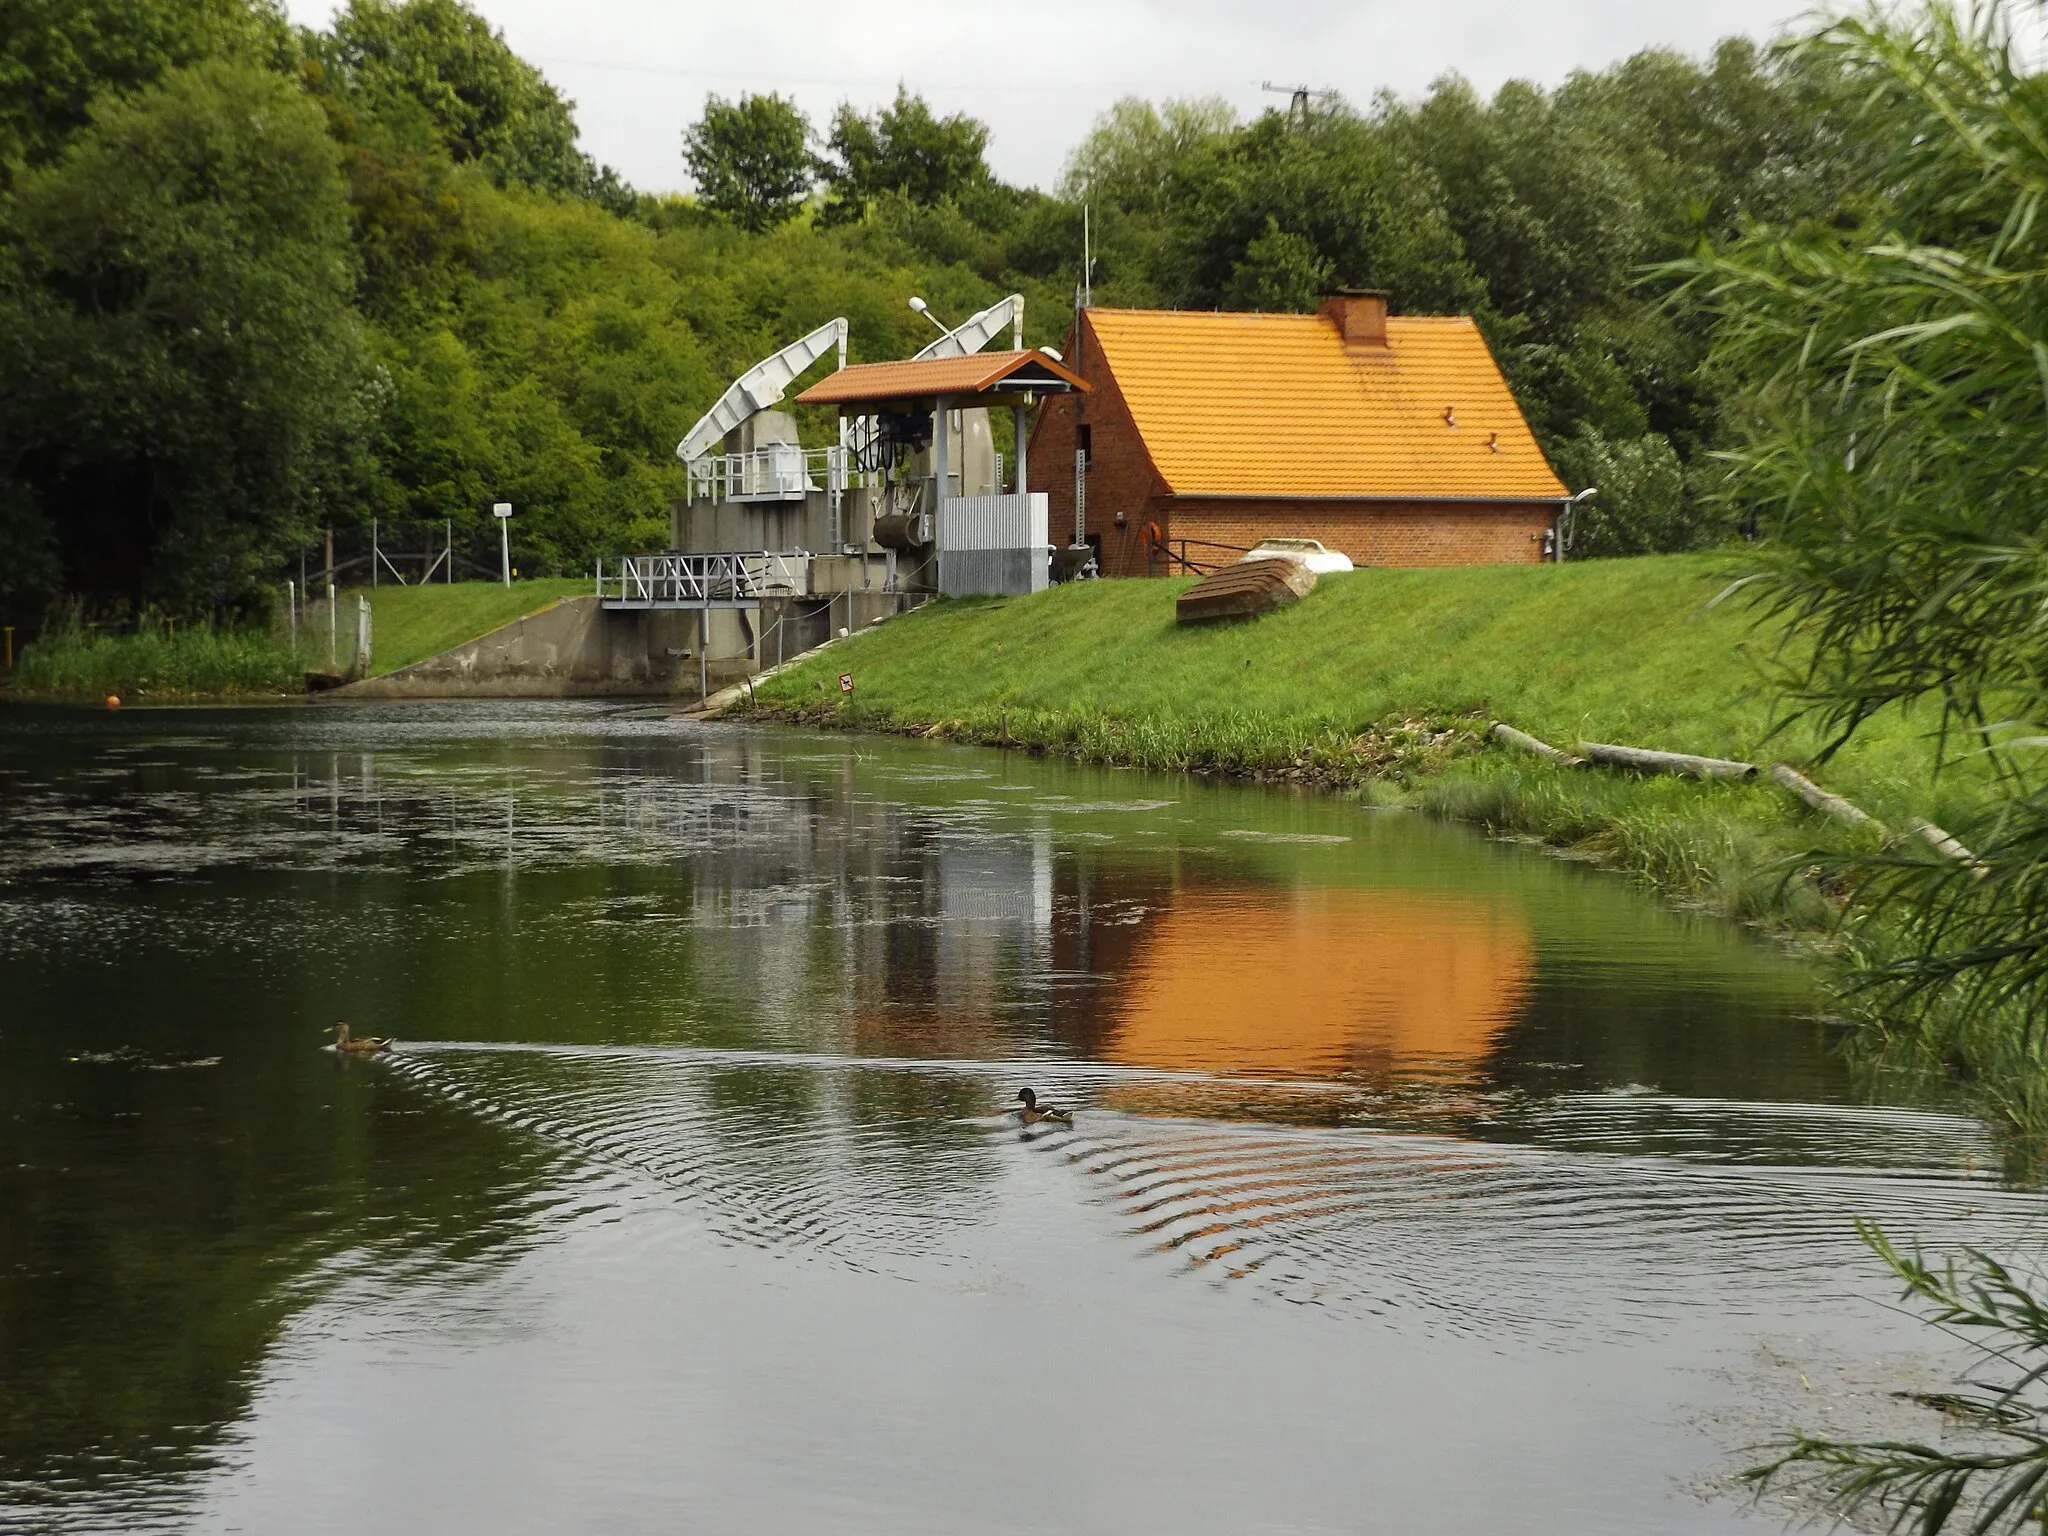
(994, 522)
(1274, 405)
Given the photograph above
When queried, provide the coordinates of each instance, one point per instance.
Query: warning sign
(846, 682)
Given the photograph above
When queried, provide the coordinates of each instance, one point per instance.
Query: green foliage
(1641, 504)
(1135, 155)
(1281, 271)
(1901, 368)
(185, 369)
(902, 148)
(29, 570)
(57, 55)
(751, 159)
(437, 66)
(1333, 200)
(157, 660)
(1994, 1483)
(517, 325)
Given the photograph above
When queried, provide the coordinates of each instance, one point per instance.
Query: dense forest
(256, 280)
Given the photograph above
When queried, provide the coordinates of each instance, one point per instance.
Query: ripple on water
(859, 1163)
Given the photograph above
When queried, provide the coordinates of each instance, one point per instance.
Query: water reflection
(1312, 983)
(744, 1007)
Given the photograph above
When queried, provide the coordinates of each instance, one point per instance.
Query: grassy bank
(166, 661)
(1384, 681)
(158, 661)
(409, 624)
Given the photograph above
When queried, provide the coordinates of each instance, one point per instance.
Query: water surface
(1417, 1182)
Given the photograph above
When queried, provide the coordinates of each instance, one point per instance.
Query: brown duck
(1035, 1112)
(359, 1045)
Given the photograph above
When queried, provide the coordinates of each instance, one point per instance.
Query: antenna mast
(1299, 98)
(1087, 260)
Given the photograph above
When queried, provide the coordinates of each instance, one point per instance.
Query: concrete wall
(578, 649)
(705, 527)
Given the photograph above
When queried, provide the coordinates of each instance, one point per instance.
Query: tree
(751, 159)
(1641, 506)
(1332, 200)
(1281, 271)
(1133, 154)
(57, 55)
(441, 64)
(185, 384)
(903, 148)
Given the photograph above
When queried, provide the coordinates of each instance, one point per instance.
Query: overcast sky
(1038, 74)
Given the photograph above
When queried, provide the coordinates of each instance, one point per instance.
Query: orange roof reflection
(1327, 981)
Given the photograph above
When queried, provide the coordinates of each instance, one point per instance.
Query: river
(1416, 1182)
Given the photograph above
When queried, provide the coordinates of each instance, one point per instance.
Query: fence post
(331, 651)
(291, 600)
(362, 668)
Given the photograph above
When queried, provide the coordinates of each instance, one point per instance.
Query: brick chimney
(1360, 315)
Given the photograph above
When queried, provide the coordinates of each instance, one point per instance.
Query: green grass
(409, 624)
(155, 662)
(1388, 679)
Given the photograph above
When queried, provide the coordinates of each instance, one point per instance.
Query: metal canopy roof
(920, 381)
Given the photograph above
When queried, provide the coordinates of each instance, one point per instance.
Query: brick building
(1395, 440)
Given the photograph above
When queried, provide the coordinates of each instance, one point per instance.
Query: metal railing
(702, 581)
(1174, 554)
(778, 472)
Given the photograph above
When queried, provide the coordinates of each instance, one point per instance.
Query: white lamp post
(502, 511)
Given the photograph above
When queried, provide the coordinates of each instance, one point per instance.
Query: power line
(978, 88)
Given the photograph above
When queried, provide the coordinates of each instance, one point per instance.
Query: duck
(363, 1045)
(1034, 1112)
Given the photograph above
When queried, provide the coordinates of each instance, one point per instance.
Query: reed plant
(158, 658)
(1988, 1475)
(1901, 386)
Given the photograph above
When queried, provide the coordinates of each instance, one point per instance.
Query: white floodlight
(925, 309)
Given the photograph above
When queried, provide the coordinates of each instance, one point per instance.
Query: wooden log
(1835, 806)
(1514, 738)
(1946, 846)
(1645, 761)
(1820, 799)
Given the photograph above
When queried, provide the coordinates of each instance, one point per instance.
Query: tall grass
(158, 659)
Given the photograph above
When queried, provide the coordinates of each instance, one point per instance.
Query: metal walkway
(739, 579)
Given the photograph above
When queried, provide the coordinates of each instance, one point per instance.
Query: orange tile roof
(1273, 405)
(920, 378)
